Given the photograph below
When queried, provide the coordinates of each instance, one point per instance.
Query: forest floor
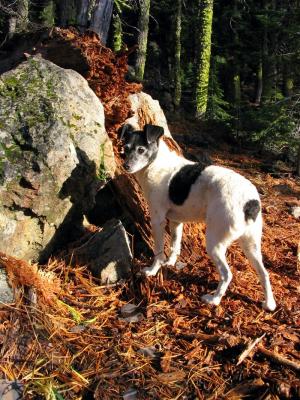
(68, 337)
(73, 339)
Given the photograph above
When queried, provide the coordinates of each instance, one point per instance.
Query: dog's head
(140, 147)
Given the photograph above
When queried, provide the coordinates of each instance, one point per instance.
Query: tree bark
(82, 13)
(236, 87)
(269, 67)
(67, 12)
(101, 17)
(143, 26)
(22, 21)
(18, 21)
(259, 83)
(298, 161)
(203, 56)
(177, 67)
(12, 26)
(266, 69)
(288, 83)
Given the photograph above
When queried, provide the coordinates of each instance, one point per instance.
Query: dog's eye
(140, 150)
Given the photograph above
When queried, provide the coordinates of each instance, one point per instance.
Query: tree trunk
(259, 83)
(101, 17)
(203, 56)
(143, 25)
(82, 13)
(22, 20)
(177, 69)
(266, 70)
(269, 66)
(67, 12)
(288, 83)
(236, 88)
(236, 78)
(12, 26)
(298, 160)
(19, 21)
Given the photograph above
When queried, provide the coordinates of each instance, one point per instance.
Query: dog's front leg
(176, 236)
(158, 223)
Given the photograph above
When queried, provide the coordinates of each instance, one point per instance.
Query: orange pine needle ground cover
(78, 344)
(64, 338)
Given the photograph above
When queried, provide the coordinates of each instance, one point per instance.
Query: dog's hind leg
(217, 250)
(176, 229)
(250, 243)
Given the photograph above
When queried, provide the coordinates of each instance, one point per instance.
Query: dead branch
(279, 359)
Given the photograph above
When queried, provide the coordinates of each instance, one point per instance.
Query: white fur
(217, 197)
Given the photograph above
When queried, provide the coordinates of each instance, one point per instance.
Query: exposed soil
(66, 335)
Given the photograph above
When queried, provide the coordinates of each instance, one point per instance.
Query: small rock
(107, 253)
(283, 188)
(150, 351)
(78, 328)
(130, 394)
(295, 211)
(131, 313)
(180, 265)
(10, 390)
(6, 292)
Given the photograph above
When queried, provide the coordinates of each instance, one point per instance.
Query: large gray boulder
(54, 155)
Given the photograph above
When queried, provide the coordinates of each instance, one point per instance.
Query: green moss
(118, 33)
(31, 94)
(204, 51)
(77, 117)
(26, 96)
(48, 13)
(102, 174)
(8, 153)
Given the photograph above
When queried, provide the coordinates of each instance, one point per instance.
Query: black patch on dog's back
(251, 209)
(181, 182)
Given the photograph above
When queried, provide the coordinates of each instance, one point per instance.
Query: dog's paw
(269, 305)
(149, 271)
(210, 299)
(171, 261)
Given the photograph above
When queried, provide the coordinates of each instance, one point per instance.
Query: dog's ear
(124, 131)
(153, 132)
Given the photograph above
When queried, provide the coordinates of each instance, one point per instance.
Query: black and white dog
(181, 191)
